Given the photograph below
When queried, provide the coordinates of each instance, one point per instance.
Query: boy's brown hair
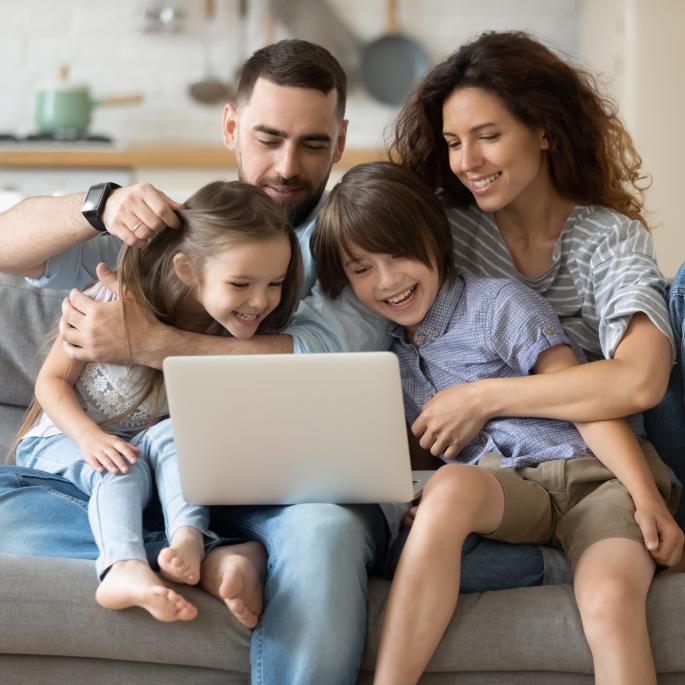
(384, 209)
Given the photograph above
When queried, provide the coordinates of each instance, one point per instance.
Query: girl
(232, 268)
(543, 185)
(521, 479)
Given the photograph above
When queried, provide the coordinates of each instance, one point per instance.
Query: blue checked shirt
(487, 328)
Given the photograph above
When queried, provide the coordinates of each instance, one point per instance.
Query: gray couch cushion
(514, 636)
(28, 316)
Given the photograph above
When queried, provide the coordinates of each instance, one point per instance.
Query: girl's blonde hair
(217, 217)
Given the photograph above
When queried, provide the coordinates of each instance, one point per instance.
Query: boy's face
(399, 288)
(286, 140)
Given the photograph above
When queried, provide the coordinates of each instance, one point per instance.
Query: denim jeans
(666, 422)
(117, 500)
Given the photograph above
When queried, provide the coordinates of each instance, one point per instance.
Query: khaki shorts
(571, 503)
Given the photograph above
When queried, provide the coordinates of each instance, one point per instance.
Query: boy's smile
(399, 288)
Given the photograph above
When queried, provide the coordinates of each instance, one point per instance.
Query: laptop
(286, 428)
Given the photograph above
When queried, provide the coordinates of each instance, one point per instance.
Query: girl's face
(401, 289)
(499, 159)
(242, 285)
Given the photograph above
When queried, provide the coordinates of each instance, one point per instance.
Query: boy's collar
(439, 315)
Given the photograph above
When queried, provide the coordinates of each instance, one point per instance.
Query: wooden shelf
(145, 156)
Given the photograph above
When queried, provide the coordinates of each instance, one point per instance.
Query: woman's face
(499, 159)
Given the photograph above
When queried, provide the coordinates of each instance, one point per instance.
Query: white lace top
(107, 390)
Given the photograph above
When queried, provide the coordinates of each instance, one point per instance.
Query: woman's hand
(451, 419)
(662, 535)
(104, 451)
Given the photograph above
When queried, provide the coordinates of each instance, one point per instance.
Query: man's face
(286, 140)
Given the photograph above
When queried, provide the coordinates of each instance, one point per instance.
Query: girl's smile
(240, 286)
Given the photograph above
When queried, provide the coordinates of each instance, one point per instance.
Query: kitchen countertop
(136, 156)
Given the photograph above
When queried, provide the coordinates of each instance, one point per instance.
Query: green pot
(64, 111)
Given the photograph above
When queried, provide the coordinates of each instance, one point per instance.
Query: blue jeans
(666, 422)
(117, 500)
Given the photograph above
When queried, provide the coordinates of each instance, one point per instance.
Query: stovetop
(51, 140)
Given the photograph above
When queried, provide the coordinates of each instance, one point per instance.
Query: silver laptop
(282, 429)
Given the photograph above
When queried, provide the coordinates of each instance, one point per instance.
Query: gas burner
(52, 139)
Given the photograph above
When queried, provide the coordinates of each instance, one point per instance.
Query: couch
(51, 629)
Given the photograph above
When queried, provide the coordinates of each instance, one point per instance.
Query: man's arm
(38, 228)
(95, 331)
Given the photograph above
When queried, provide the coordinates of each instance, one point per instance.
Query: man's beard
(299, 211)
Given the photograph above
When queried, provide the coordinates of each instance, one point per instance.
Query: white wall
(638, 46)
(102, 42)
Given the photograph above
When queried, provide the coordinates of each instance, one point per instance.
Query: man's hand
(662, 535)
(104, 451)
(136, 213)
(450, 420)
(94, 331)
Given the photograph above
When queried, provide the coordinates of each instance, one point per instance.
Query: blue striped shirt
(604, 270)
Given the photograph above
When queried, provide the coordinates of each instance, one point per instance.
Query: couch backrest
(27, 317)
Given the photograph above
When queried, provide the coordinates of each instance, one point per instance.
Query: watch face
(93, 198)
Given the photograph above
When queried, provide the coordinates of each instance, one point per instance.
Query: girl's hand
(104, 451)
(662, 535)
(450, 420)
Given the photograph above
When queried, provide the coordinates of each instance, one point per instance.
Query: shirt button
(419, 337)
(550, 330)
(435, 332)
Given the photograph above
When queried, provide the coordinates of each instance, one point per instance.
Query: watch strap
(94, 204)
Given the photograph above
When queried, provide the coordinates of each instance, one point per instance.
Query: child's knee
(456, 489)
(611, 606)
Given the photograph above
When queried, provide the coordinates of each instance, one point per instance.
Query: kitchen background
(158, 48)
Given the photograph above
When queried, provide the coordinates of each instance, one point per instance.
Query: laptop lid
(282, 429)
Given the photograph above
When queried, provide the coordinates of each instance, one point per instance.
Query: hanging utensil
(210, 90)
(240, 42)
(318, 21)
(392, 64)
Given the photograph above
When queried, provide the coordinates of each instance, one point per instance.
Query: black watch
(94, 204)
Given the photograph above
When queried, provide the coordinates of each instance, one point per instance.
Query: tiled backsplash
(105, 48)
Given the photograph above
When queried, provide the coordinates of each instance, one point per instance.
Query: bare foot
(180, 562)
(235, 574)
(133, 584)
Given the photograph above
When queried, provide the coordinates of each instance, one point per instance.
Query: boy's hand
(410, 516)
(662, 535)
(104, 451)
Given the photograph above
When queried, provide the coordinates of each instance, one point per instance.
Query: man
(287, 130)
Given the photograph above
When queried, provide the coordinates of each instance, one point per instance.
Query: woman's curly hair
(592, 158)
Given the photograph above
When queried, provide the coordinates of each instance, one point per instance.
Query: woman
(543, 184)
